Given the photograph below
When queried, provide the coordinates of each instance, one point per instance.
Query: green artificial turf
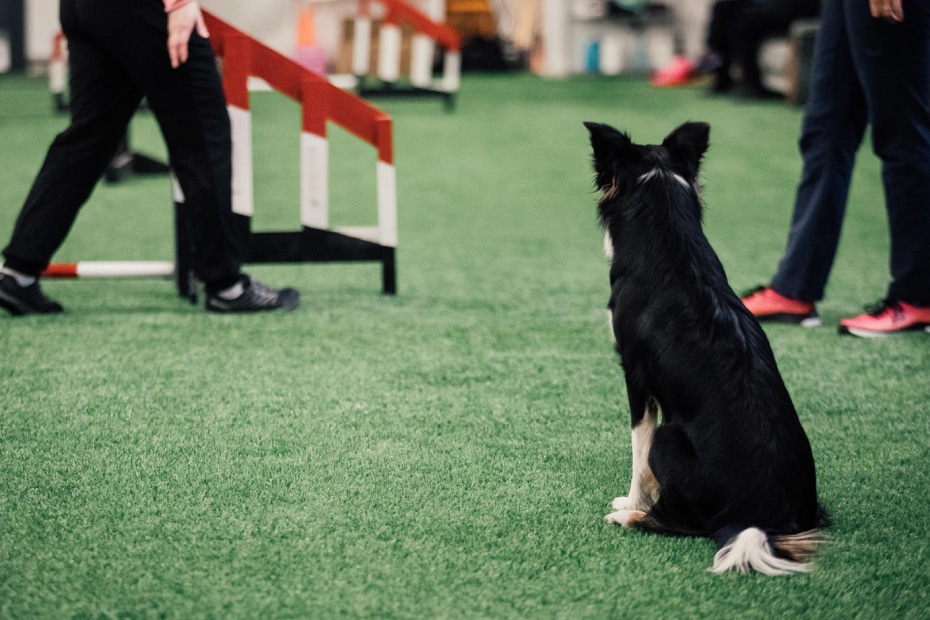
(449, 452)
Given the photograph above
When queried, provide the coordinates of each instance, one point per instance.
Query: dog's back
(731, 453)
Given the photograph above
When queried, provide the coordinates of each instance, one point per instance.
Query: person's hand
(181, 23)
(889, 10)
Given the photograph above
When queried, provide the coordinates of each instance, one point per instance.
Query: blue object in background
(592, 60)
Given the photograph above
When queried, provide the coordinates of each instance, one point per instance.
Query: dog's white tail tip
(751, 551)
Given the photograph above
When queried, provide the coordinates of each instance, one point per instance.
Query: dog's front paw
(626, 518)
(622, 503)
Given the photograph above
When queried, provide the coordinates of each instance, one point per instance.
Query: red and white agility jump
(430, 31)
(321, 102)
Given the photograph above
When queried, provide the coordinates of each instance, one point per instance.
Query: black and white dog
(730, 460)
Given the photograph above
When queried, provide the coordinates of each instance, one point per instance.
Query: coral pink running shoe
(887, 317)
(767, 305)
(680, 72)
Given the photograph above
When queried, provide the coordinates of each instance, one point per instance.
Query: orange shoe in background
(887, 317)
(767, 305)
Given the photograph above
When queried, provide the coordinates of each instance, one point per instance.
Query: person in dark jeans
(735, 35)
(119, 52)
(871, 68)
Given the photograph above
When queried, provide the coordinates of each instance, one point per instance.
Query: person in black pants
(735, 35)
(871, 68)
(121, 51)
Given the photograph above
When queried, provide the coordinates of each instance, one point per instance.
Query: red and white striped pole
(110, 269)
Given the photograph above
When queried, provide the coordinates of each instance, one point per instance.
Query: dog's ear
(612, 149)
(688, 142)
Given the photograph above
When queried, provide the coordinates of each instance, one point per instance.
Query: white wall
(41, 26)
(693, 17)
(273, 22)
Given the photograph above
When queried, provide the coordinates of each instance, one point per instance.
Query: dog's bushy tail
(754, 550)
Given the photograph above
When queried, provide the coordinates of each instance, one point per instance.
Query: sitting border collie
(730, 460)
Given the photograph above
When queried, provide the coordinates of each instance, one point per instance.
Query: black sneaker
(20, 300)
(256, 297)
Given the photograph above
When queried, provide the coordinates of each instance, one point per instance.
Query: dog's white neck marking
(657, 171)
(608, 246)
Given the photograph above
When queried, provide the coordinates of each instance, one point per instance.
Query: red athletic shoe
(767, 305)
(887, 317)
(680, 72)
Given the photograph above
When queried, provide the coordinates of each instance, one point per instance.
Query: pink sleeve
(171, 5)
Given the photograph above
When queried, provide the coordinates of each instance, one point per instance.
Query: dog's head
(623, 168)
(621, 165)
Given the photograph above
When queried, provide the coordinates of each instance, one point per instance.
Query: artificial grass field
(449, 452)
